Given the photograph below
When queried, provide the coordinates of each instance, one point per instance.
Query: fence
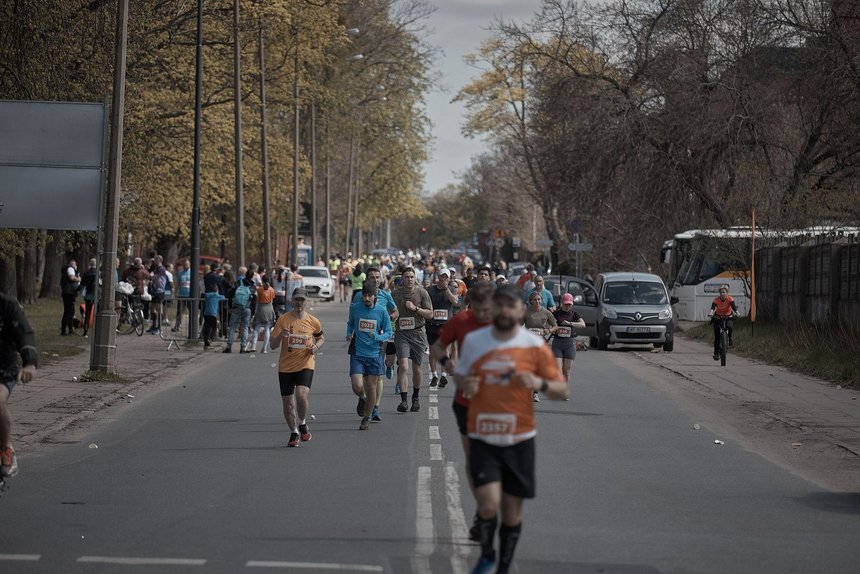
(816, 281)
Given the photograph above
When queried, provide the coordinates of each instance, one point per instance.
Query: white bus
(698, 261)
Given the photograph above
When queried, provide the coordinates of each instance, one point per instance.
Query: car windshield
(635, 293)
(309, 272)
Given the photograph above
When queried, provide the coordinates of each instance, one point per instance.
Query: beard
(504, 323)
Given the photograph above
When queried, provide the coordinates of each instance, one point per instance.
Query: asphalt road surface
(196, 477)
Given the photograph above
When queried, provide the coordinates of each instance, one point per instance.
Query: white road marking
(142, 561)
(313, 566)
(433, 413)
(21, 557)
(435, 452)
(424, 530)
(434, 433)
(434, 398)
(457, 519)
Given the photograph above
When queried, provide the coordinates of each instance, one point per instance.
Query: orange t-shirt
(724, 308)
(295, 346)
(501, 412)
(265, 295)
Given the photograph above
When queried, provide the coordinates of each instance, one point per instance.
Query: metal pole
(327, 195)
(388, 233)
(357, 195)
(314, 238)
(105, 321)
(294, 251)
(349, 195)
(193, 327)
(264, 151)
(237, 137)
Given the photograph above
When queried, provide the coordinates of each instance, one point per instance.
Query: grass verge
(44, 317)
(821, 351)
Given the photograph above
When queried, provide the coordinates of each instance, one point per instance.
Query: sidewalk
(56, 399)
(819, 409)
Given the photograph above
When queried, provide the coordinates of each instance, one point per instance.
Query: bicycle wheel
(724, 345)
(138, 322)
(124, 324)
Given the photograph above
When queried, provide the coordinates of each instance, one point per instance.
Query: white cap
(444, 271)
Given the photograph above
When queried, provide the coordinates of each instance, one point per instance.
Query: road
(195, 477)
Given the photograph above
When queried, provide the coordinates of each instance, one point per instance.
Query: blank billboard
(51, 157)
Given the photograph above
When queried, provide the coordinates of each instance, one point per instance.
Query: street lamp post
(264, 152)
(193, 327)
(294, 251)
(237, 136)
(314, 239)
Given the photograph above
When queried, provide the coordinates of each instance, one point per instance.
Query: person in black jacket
(88, 286)
(16, 338)
(70, 282)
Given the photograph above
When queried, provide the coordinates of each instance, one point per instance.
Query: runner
(304, 335)
(479, 314)
(547, 300)
(564, 340)
(16, 338)
(500, 366)
(540, 322)
(369, 326)
(414, 308)
(443, 298)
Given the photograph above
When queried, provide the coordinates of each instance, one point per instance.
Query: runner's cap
(566, 298)
(300, 293)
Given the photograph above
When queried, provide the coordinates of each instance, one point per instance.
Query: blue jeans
(237, 315)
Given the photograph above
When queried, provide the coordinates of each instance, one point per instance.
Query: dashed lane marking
(433, 413)
(313, 566)
(457, 519)
(434, 398)
(129, 561)
(434, 433)
(435, 452)
(21, 557)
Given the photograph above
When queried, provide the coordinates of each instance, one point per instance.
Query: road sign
(580, 246)
(499, 242)
(543, 243)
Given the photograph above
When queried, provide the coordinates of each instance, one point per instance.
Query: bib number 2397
(406, 323)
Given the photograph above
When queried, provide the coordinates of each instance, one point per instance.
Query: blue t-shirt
(546, 295)
(371, 327)
(184, 278)
(210, 306)
(383, 298)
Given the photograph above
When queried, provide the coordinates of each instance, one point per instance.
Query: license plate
(638, 329)
(313, 289)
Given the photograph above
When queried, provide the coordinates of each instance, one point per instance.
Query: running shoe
(415, 405)
(434, 381)
(375, 416)
(716, 356)
(304, 433)
(3, 487)
(360, 407)
(227, 350)
(484, 566)
(389, 372)
(365, 423)
(443, 382)
(294, 439)
(535, 398)
(396, 388)
(475, 530)
(8, 462)
(402, 407)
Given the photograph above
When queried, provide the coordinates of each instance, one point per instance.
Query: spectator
(159, 289)
(183, 279)
(240, 315)
(294, 281)
(211, 302)
(69, 284)
(88, 287)
(264, 316)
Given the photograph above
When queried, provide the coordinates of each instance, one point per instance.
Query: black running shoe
(402, 407)
(443, 382)
(360, 407)
(365, 424)
(434, 381)
(475, 530)
(294, 439)
(304, 433)
(415, 405)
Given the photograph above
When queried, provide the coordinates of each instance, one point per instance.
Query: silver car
(633, 308)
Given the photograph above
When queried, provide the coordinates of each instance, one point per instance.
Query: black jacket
(16, 337)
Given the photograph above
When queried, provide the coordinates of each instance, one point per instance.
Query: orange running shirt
(724, 308)
(298, 338)
(501, 412)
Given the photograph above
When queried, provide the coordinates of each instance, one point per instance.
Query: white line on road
(435, 452)
(142, 561)
(433, 413)
(21, 557)
(457, 519)
(434, 433)
(434, 398)
(425, 533)
(313, 566)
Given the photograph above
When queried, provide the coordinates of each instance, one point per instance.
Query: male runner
(444, 298)
(16, 338)
(414, 308)
(479, 314)
(500, 366)
(304, 335)
(369, 326)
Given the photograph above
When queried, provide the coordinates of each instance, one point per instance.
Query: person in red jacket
(722, 306)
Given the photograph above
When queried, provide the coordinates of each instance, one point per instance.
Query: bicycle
(724, 336)
(130, 318)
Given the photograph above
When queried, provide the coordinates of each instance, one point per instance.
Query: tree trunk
(8, 278)
(55, 252)
(26, 269)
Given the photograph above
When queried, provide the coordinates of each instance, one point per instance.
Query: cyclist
(722, 306)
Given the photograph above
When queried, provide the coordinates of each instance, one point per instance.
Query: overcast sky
(458, 28)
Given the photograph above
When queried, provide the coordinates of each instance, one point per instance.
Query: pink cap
(566, 298)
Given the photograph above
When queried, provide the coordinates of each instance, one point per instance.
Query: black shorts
(9, 384)
(513, 466)
(289, 381)
(432, 333)
(390, 349)
(157, 298)
(461, 413)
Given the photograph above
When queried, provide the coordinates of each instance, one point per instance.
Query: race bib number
(440, 314)
(367, 325)
(297, 342)
(538, 332)
(563, 332)
(406, 323)
(496, 427)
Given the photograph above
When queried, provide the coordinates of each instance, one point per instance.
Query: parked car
(633, 308)
(318, 282)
